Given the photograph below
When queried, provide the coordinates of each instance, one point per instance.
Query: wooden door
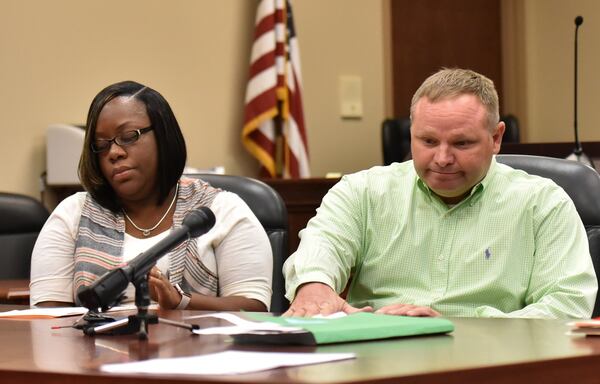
(427, 35)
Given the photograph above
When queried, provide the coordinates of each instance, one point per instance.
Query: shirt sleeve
(242, 251)
(331, 242)
(563, 282)
(52, 259)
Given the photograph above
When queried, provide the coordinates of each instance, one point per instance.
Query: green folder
(355, 327)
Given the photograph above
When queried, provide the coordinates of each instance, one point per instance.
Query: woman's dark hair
(169, 140)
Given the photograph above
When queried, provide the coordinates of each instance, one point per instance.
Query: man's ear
(497, 136)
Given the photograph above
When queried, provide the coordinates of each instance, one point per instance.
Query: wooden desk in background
(14, 291)
(302, 198)
(478, 351)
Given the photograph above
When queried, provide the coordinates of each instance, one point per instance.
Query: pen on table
(191, 327)
(74, 325)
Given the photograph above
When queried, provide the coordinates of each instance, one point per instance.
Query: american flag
(274, 94)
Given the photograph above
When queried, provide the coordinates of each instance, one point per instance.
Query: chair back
(395, 137)
(582, 184)
(269, 208)
(21, 219)
(395, 140)
(511, 133)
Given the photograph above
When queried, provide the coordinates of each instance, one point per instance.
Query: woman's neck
(146, 217)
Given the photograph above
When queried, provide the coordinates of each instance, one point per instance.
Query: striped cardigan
(99, 242)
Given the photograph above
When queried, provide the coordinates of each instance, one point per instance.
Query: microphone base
(99, 324)
(581, 158)
(137, 324)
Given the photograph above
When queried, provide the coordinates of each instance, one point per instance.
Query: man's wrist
(312, 287)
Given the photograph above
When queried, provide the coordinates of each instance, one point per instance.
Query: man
(449, 233)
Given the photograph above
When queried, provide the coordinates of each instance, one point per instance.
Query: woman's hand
(161, 290)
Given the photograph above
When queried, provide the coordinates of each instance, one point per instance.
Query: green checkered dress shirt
(515, 247)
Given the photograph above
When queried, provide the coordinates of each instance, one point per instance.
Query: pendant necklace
(146, 231)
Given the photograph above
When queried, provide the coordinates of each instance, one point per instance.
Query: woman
(131, 166)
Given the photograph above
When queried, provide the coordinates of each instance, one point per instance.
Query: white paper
(44, 312)
(50, 313)
(230, 317)
(240, 326)
(225, 363)
(335, 315)
(592, 323)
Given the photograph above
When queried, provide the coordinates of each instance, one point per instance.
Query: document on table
(51, 313)
(225, 363)
(336, 328)
(585, 327)
(240, 325)
(43, 313)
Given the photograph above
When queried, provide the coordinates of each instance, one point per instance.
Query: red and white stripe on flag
(275, 76)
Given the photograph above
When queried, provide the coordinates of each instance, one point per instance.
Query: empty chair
(269, 208)
(511, 133)
(395, 138)
(21, 219)
(582, 184)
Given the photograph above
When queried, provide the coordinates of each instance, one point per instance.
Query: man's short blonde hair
(453, 82)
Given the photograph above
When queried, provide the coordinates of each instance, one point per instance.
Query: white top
(236, 249)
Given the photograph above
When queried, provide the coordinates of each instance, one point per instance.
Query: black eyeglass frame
(118, 140)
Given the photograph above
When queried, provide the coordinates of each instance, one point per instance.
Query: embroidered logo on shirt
(488, 253)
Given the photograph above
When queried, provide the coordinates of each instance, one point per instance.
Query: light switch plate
(351, 106)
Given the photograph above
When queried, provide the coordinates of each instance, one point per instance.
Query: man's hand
(318, 298)
(407, 310)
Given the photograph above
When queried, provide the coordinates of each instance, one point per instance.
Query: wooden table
(478, 351)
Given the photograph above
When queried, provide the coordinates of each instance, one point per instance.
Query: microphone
(578, 154)
(104, 292)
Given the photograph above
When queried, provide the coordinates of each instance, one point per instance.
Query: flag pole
(279, 141)
(274, 131)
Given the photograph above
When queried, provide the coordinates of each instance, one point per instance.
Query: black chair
(512, 132)
(21, 219)
(395, 137)
(270, 210)
(582, 184)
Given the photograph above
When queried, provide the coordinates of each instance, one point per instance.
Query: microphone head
(199, 221)
(578, 20)
(105, 291)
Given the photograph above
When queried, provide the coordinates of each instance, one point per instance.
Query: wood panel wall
(429, 34)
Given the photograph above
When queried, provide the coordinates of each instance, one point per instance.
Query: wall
(539, 67)
(56, 55)
(349, 43)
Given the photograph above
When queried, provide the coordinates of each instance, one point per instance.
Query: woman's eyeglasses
(122, 140)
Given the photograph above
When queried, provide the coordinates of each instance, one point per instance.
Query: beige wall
(539, 67)
(342, 37)
(56, 55)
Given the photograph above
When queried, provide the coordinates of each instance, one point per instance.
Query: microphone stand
(137, 323)
(578, 154)
(105, 291)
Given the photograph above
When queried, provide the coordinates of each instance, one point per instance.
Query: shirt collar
(476, 191)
